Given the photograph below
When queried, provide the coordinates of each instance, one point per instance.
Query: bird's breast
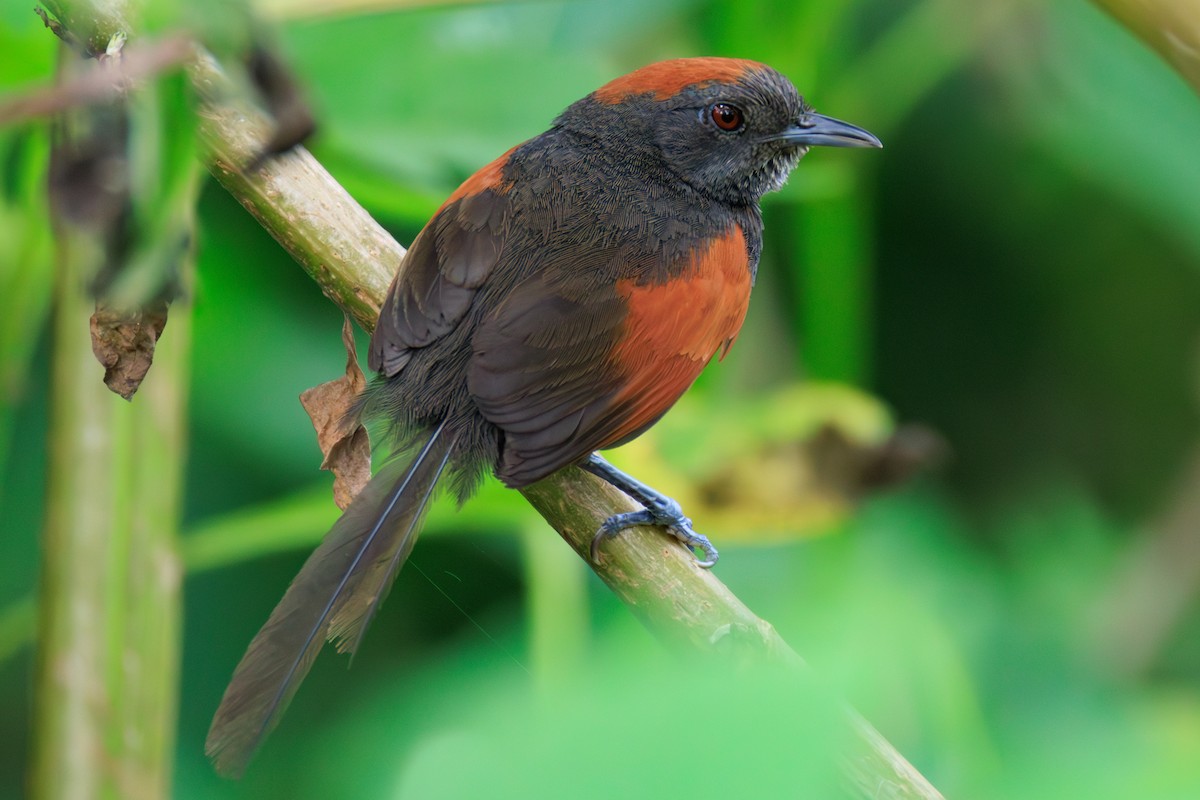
(698, 311)
(673, 328)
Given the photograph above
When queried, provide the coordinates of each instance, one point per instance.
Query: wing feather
(566, 366)
(447, 264)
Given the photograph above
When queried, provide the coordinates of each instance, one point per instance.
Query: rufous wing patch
(449, 260)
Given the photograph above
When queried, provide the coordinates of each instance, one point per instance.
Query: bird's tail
(334, 597)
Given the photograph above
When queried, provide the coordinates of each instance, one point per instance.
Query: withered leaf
(911, 449)
(854, 469)
(123, 342)
(343, 441)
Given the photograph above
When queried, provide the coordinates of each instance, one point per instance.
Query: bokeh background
(1018, 271)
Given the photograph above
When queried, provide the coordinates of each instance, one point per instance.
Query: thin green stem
(68, 742)
(557, 608)
(834, 249)
(912, 57)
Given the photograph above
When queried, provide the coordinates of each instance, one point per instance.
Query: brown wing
(447, 263)
(568, 366)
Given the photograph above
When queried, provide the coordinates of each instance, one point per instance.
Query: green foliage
(1017, 269)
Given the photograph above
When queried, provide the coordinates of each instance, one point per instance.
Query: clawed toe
(679, 526)
(695, 541)
(614, 525)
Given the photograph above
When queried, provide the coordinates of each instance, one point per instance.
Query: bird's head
(732, 129)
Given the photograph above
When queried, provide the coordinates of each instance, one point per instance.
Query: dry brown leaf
(124, 344)
(344, 442)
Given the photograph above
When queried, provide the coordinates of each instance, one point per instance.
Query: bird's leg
(659, 510)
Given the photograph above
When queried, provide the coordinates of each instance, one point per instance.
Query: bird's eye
(726, 117)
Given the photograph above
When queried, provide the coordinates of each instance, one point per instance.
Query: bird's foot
(658, 510)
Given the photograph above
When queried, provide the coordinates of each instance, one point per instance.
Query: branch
(352, 258)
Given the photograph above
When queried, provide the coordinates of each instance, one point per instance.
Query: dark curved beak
(817, 129)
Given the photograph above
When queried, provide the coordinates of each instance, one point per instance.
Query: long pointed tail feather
(334, 596)
(353, 613)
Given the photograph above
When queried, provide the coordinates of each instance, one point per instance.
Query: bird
(558, 303)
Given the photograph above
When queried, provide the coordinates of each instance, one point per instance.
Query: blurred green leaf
(1172, 27)
(642, 729)
(1131, 133)
(25, 268)
(165, 185)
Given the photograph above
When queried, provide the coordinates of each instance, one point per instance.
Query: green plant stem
(352, 258)
(108, 609)
(836, 292)
(152, 601)
(93, 22)
(557, 609)
(912, 57)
